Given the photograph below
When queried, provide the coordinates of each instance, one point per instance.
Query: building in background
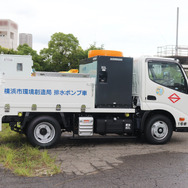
(8, 34)
(25, 38)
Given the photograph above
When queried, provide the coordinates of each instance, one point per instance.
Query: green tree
(7, 51)
(62, 52)
(37, 59)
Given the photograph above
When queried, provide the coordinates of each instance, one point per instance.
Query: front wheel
(158, 129)
(44, 131)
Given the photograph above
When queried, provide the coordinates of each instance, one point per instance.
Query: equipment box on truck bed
(113, 77)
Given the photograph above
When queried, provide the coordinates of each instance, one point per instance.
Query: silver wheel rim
(159, 130)
(44, 132)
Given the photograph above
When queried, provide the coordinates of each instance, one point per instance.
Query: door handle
(151, 98)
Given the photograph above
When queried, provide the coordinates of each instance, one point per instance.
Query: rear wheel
(158, 129)
(44, 131)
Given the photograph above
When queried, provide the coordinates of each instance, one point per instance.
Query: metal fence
(170, 50)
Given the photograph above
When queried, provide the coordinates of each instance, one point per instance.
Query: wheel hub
(159, 130)
(44, 132)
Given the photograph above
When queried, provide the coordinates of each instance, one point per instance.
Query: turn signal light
(181, 119)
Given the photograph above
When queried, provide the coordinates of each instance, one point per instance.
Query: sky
(135, 27)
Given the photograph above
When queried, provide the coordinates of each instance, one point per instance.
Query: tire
(158, 129)
(44, 131)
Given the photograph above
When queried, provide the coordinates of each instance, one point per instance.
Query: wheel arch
(148, 114)
(29, 116)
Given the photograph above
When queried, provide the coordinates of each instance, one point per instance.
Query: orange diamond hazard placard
(174, 98)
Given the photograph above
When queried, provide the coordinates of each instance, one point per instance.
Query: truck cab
(161, 93)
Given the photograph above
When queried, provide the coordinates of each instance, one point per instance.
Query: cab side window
(168, 74)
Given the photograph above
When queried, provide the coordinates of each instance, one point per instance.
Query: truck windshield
(168, 74)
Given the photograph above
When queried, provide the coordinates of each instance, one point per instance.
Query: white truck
(110, 95)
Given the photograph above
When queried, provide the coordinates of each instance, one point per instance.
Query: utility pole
(177, 31)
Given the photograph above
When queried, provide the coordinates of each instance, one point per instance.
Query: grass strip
(17, 155)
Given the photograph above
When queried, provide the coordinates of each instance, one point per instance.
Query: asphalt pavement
(112, 163)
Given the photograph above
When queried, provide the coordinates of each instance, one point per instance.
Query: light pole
(177, 31)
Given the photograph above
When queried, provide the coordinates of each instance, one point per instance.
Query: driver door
(166, 89)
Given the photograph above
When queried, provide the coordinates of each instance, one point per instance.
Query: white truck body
(70, 98)
(45, 91)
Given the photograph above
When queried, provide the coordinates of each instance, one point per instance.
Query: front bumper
(181, 129)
